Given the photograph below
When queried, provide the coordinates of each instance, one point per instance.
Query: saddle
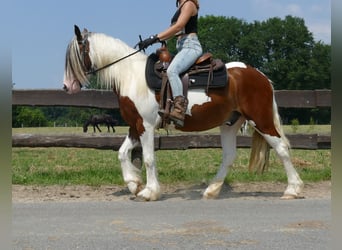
(206, 73)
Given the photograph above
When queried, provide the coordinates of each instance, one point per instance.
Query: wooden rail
(161, 142)
(107, 99)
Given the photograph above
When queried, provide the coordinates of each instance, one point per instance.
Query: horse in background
(95, 120)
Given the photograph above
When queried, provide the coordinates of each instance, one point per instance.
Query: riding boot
(177, 115)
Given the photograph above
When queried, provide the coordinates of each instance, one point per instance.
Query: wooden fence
(106, 99)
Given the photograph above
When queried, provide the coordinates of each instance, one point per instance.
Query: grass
(301, 129)
(76, 166)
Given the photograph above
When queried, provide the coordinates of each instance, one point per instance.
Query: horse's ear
(78, 33)
(85, 31)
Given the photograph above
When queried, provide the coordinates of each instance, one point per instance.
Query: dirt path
(257, 190)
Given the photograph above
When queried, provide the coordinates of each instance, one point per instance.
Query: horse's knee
(149, 160)
(122, 155)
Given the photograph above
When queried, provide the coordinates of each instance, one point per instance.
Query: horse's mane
(73, 63)
(105, 50)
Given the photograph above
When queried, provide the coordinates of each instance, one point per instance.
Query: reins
(110, 64)
(122, 58)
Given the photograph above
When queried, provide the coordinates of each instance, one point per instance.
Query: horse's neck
(123, 74)
(86, 124)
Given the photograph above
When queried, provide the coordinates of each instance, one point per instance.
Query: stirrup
(176, 121)
(233, 118)
(162, 113)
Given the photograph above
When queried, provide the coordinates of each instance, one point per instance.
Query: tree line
(283, 49)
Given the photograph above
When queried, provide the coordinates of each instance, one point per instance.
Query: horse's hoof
(293, 191)
(148, 195)
(134, 187)
(207, 196)
(291, 197)
(213, 191)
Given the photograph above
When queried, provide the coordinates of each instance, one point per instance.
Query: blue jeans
(189, 50)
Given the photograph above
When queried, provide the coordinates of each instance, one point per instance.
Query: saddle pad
(199, 80)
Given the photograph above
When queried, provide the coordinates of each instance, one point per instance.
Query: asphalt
(174, 224)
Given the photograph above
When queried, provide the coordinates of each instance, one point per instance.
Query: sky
(40, 30)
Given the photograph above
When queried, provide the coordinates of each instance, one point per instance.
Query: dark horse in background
(95, 120)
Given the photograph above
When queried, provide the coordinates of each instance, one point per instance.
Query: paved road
(172, 224)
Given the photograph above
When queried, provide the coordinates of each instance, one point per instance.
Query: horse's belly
(204, 112)
(197, 97)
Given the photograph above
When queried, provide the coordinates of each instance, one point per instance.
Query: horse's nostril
(65, 88)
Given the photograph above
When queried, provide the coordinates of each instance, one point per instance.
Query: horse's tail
(259, 157)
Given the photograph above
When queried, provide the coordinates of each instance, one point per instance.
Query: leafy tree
(220, 36)
(283, 49)
(29, 117)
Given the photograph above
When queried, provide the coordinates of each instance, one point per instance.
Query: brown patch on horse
(254, 90)
(131, 115)
(212, 113)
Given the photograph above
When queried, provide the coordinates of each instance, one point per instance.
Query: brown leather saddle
(206, 73)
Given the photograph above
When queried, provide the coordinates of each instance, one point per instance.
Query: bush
(29, 117)
(294, 125)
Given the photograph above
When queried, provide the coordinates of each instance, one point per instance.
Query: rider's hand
(147, 42)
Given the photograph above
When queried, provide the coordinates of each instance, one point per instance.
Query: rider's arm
(188, 9)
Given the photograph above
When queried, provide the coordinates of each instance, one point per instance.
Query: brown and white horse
(249, 92)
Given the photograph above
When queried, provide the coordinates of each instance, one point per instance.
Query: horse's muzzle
(74, 88)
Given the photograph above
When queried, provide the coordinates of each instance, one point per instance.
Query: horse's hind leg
(131, 174)
(228, 141)
(281, 147)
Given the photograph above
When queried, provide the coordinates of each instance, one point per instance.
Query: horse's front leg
(152, 190)
(97, 126)
(130, 173)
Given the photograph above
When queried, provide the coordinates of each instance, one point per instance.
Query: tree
(29, 117)
(220, 36)
(283, 49)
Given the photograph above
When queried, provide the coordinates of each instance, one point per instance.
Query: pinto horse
(95, 120)
(122, 68)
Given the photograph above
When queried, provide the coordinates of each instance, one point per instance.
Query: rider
(184, 27)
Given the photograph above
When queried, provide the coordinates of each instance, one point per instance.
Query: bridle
(84, 50)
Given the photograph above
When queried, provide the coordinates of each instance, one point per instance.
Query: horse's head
(77, 62)
(85, 126)
(109, 58)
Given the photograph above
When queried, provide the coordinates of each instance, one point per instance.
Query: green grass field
(73, 166)
(289, 129)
